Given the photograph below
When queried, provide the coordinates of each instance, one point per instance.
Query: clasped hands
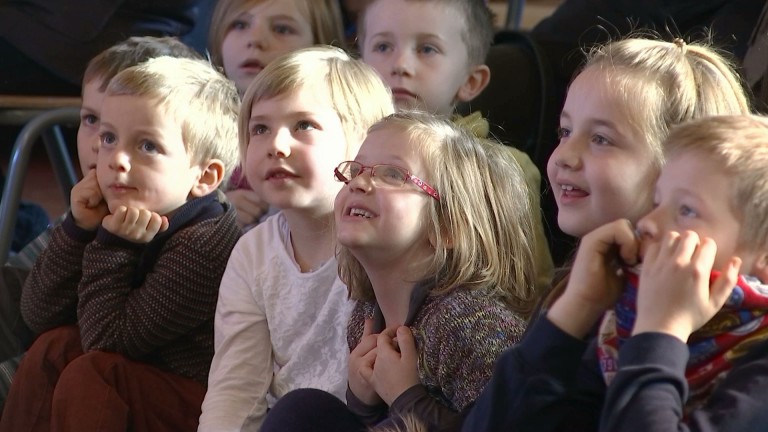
(383, 365)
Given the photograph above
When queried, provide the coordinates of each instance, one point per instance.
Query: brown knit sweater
(458, 337)
(151, 302)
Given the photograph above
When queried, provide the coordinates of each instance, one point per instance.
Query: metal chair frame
(45, 125)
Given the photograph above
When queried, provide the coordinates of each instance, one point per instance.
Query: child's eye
(258, 129)
(428, 49)
(89, 119)
(148, 147)
(687, 211)
(391, 174)
(600, 140)
(107, 139)
(381, 47)
(563, 132)
(283, 29)
(238, 25)
(304, 125)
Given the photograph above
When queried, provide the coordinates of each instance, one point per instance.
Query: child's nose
(567, 155)
(648, 226)
(402, 63)
(258, 37)
(363, 182)
(280, 145)
(120, 161)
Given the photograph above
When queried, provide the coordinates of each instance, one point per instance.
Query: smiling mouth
(360, 213)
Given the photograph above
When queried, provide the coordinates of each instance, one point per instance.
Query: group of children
(399, 281)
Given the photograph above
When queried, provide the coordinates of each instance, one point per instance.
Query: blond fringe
(409, 423)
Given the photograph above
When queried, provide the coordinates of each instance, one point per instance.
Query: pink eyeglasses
(382, 175)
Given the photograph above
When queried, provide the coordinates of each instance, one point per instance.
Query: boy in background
(125, 292)
(431, 53)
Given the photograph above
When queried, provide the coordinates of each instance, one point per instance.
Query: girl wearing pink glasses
(436, 251)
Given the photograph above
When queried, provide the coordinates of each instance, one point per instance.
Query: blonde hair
(481, 227)
(356, 91)
(203, 100)
(323, 15)
(477, 26)
(131, 52)
(739, 145)
(662, 84)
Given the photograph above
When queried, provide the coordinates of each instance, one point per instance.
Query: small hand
(594, 285)
(675, 296)
(136, 225)
(361, 363)
(396, 369)
(88, 205)
(250, 207)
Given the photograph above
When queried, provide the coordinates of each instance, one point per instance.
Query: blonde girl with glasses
(439, 258)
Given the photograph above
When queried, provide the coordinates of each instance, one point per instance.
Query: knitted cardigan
(459, 336)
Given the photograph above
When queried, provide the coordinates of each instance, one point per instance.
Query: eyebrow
(594, 121)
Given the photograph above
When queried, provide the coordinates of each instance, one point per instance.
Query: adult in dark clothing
(45, 45)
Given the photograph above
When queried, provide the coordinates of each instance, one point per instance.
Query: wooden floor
(41, 187)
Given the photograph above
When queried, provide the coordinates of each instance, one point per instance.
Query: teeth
(567, 187)
(360, 212)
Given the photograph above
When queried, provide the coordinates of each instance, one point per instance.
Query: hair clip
(680, 44)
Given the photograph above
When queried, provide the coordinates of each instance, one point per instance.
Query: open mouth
(252, 65)
(572, 191)
(358, 212)
(279, 174)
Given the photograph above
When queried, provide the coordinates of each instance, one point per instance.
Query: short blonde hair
(132, 51)
(203, 100)
(739, 145)
(323, 15)
(666, 83)
(483, 222)
(357, 93)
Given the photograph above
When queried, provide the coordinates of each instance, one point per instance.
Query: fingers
(722, 286)
(406, 343)
(137, 225)
(368, 327)
(386, 340)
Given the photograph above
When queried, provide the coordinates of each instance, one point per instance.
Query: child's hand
(674, 295)
(88, 205)
(136, 225)
(594, 285)
(395, 370)
(250, 207)
(361, 361)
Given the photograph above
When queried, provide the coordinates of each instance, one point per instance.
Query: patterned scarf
(740, 324)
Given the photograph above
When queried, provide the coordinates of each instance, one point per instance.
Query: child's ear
(211, 176)
(476, 82)
(759, 268)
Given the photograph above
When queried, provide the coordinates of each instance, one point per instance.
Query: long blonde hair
(482, 223)
(662, 84)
